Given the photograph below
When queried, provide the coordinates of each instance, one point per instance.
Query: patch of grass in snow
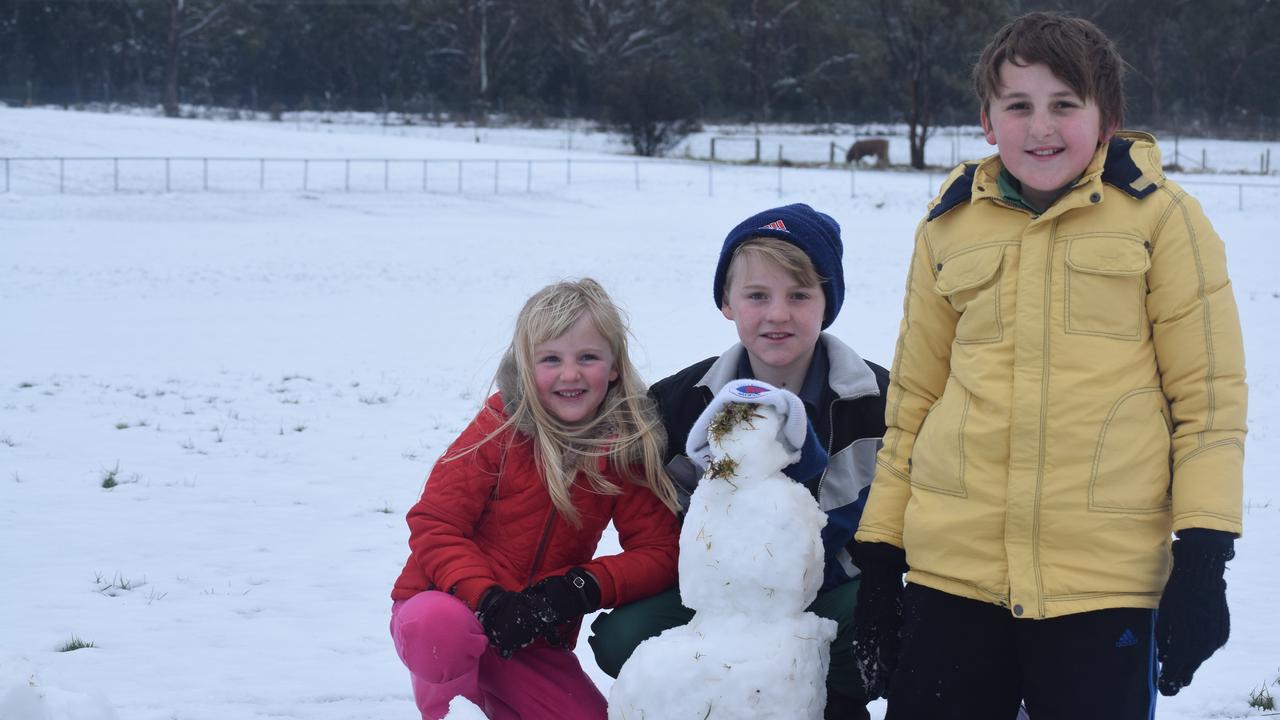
(8, 441)
(25, 385)
(1262, 699)
(109, 477)
(299, 427)
(117, 584)
(122, 425)
(75, 643)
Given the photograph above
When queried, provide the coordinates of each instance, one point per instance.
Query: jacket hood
(1130, 162)
(849, 377)
(508, 382)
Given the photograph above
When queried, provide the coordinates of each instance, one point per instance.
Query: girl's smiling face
(572, 372)
(1046, 133)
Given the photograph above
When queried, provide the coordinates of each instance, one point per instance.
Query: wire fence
(185, 174)
(103, 175)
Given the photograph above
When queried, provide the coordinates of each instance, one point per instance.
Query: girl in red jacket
(500, 571)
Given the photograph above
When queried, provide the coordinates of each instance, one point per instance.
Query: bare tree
(186, 18)
(930, 46)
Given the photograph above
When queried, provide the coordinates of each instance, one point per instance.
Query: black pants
(972, 660)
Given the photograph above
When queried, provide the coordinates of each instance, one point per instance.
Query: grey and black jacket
(849, 421)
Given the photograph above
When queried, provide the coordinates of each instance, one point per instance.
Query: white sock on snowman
(751, 561)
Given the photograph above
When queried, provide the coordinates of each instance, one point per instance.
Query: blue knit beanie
(817, 234)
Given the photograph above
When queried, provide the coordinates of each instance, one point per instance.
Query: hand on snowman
(562, 599)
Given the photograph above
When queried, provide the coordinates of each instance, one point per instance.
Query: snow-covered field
(267, 377)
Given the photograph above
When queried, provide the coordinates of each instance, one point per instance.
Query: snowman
(751, 561)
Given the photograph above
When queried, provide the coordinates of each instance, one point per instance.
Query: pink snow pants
(442, 643)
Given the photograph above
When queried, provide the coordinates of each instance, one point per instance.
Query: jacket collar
(1130, 163)
(849, 377)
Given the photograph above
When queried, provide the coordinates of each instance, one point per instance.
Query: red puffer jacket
(486, 519)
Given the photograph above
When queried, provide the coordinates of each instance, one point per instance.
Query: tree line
(649, 66)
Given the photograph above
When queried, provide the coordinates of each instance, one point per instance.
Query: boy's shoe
(840, 707)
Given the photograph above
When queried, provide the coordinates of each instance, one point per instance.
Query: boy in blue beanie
(780, 279)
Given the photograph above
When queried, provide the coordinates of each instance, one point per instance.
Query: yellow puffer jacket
(1067, 389)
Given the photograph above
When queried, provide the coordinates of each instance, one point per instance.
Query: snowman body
(751, 561)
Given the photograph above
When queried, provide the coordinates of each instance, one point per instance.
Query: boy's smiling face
(778, 319)
(1045, 132)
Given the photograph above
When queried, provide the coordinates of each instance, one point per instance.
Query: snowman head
(759, 427)
(751, 437)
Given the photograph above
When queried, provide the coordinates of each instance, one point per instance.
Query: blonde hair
(626, 428)
(781, 253)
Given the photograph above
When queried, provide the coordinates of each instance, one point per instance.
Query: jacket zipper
(542, 546)
(831, 433)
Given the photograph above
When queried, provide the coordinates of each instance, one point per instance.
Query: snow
(269, 376)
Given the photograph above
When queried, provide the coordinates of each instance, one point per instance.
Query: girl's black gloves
(1193, 620)
(508, 619)
(562, 599)
(513, 620)
(877, 618)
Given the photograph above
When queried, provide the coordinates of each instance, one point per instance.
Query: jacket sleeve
(1200, 354)
(921, 364)
(650, 537)
(442, 523)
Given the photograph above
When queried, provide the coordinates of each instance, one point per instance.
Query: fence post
(495, 177)
(831, 153)
(1204, 159)
(424, 176)
(568, 171)
(306, 172)
(779, 171)
(637, 165)
(853, 180)
(713, 148)
(528, 177)
(757, 150)
(262, 173)
(346, 175)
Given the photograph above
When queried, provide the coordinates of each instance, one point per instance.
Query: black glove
(508, 619)
(1193, 620)
(877, 618)
(561, 599)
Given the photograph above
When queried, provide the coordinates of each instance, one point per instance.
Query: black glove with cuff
(508, 619)
(1193, 620)
(877, 618)
(562, 599)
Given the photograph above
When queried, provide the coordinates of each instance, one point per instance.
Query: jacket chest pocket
(970, 281)
(1106, 285)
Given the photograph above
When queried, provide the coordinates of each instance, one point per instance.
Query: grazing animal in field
(869, 147)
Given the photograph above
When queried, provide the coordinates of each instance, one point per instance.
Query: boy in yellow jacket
(1067, 393)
